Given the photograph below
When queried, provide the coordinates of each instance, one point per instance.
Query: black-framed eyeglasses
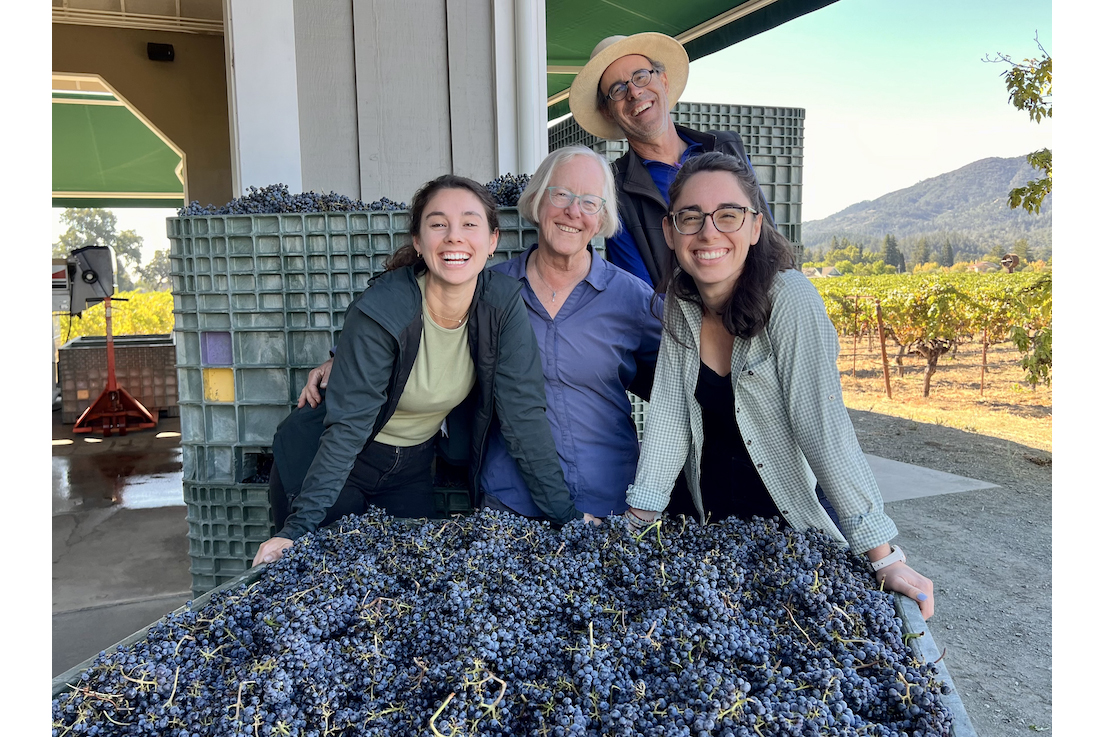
(640, 78)
(727, 219)
(588, 203)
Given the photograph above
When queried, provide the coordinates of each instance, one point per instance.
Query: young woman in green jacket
(434, 337)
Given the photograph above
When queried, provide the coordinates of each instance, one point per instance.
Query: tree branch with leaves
(1029, 86)
(97, 227)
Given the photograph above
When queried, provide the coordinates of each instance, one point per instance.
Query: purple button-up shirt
(604, 333)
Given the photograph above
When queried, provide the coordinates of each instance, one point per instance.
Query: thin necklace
(450, 319)
(538, 272)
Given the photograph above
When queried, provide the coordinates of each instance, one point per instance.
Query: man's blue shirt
(621, 249)
(589, 354)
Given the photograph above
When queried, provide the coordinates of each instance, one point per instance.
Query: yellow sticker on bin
(218, 384)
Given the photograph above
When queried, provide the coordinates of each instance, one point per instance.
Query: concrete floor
(120, 534)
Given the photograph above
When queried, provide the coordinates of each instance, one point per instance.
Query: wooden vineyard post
(982, 376)
(855, 336)
(882, 343)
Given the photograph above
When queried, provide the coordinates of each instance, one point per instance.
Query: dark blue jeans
(397, 479)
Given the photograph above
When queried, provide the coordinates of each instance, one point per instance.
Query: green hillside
(966, 207)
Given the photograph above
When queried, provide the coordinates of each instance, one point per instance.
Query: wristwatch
(896, 554)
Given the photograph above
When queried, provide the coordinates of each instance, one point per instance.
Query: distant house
(984, 267)
(824, 271)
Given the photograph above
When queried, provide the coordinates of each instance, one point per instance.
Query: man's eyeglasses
(726, 219)
(588, 203)
(640, 78)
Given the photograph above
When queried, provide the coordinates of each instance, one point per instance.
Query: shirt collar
(598, 276)
(693, 148)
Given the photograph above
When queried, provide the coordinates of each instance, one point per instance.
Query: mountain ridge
(968, 205)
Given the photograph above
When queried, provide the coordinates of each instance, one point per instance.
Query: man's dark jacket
(372, 362)
(641, 207)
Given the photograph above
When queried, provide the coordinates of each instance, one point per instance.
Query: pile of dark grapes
(491, 624)
(508, 188)
(277, 198)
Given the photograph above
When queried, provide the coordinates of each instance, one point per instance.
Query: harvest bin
(923, 646)
(258, 302)
(145, 365)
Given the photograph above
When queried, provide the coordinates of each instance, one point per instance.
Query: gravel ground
(988, 553)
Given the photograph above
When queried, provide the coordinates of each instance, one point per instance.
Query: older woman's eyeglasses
(640, 78)
(727, 219)
(588, 203)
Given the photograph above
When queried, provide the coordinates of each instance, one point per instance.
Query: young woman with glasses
(746, 400)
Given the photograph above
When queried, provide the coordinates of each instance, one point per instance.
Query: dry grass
(1008, 408)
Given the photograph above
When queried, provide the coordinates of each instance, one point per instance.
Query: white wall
(372, 98)
(327, 86)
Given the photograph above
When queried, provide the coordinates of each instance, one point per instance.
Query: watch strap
(896, 554)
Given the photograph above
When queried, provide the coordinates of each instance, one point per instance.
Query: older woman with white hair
(597, 334)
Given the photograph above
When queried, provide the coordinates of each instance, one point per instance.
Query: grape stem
(437, 713)
(418, 681)
(238, 706)
(176, 675)
(790, 613)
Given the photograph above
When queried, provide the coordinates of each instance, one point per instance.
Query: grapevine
(932, 314)
(492, 624)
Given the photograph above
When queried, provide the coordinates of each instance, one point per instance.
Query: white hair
(531, 198)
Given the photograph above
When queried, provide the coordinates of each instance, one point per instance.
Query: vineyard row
(927, 315)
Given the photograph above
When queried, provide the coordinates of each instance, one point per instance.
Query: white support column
(532, 83)
(506, 85)
(264, 101)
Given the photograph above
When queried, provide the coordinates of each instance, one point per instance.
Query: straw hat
(656, 46)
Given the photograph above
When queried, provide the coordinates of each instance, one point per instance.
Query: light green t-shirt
(442, 376)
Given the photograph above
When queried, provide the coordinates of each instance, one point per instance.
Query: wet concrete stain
(152, 478)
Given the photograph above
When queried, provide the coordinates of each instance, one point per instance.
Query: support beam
(532, 84)
(264, 103)
(506, 85)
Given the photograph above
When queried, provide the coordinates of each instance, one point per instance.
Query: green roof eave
(103, 153)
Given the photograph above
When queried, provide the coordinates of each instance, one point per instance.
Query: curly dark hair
(407, 255)
(749, 306)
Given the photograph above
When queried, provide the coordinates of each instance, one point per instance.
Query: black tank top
(730, 484)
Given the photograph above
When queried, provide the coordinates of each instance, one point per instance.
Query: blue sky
(895, 92)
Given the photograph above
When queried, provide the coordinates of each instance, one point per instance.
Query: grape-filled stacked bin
(260, 288)
(492, 624)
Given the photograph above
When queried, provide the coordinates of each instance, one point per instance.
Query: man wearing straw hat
(627, 90)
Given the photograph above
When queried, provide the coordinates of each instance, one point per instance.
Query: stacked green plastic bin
(259, 300)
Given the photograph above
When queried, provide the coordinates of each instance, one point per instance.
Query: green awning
(573, 27)
(106, 156)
